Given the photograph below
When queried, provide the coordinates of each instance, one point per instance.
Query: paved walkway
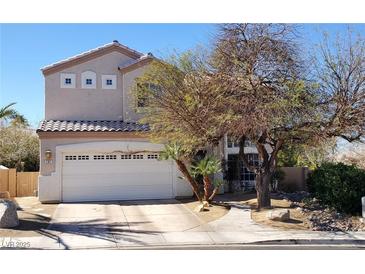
(114, 226)
(238, 227)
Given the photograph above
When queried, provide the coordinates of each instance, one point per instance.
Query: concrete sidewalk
(236, 227)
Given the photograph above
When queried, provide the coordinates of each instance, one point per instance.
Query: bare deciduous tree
(178, 100)
(256, 85)
(274, 101)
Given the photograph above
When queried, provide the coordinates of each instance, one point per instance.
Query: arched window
(88, 79)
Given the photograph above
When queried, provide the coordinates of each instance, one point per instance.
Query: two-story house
(92, 146)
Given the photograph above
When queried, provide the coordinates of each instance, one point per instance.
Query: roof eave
(92, 134)
(137, 64)
(84, 57)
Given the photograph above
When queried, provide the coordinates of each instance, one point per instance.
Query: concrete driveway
(137, 222)
(160, 223)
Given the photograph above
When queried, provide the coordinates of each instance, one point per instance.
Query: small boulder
(4, 195)
(206, 204)
(294, 205)
(279, 215)
(199, 208)
(202, 207)
(8, 214)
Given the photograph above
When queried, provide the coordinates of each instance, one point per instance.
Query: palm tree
(176, 152)
(9, 113)
(206, 167)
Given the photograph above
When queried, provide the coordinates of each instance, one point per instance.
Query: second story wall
(131, 113)
(92, 90)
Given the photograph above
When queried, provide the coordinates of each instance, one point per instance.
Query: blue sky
(25, 48)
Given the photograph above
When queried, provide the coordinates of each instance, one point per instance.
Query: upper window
(88, 80)
(248, 143)
(67, 80)
(108, 81)
(232, 143)
(144, 90)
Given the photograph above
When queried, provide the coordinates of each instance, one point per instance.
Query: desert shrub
(338, 186)
(19, 145)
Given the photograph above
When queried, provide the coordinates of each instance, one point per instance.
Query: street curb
(312, 242)
(282, 244)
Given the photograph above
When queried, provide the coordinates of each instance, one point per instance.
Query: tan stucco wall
(129, 102)
(87, 104)
(50, 144)
(295, 179)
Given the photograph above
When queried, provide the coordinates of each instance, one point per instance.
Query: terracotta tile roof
(90, 126)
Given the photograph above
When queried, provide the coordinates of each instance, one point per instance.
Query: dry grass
(214, 212)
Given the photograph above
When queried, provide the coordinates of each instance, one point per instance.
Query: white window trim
(88, 74)
(105, 77)
(63, 77)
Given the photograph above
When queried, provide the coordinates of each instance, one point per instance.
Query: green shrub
(338, 186)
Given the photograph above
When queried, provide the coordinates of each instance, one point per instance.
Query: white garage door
(103, 177)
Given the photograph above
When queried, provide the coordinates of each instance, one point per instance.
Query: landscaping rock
(330, 220)
(206, 204)
(200, 208)
(279, 215)
(4, 195)
(8, 214)
(295, 196)
(294, 205)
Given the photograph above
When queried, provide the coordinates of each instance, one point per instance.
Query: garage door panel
(128, 179)
(118, 192)
(115, 194)
(118, 179)
(134, 173)
(114, 168)
(116, 164)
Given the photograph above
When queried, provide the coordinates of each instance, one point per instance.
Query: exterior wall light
(48, 155)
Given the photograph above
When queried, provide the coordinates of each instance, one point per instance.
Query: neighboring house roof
(3, 167)
(136, 63)
(91, 54)
(90, 126)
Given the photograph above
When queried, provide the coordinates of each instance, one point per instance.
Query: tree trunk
(211, 197)
(207, 187)
(193, 183)
(263, 190)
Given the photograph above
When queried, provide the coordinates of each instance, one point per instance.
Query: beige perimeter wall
(295, 178)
